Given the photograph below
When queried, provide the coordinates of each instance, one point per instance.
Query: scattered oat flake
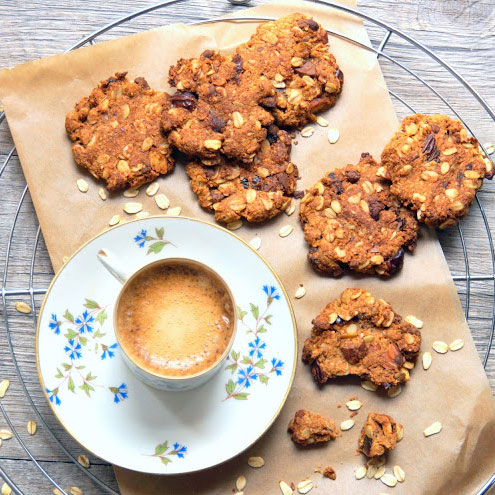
(32, 427)
(240, 483)
(131, 193)
(6, 490)
(305, 486)
(371, 471)
(333, 135)
(5, 434)
(490, 148)
(290, 209)
(456, 345)
(142, 214)
(56, 491)
(399, 474)
(4, 385)
(237, 224)
(23, 307)
(414, 321)
(394, 391)
(83, 460)
(360, 472)
(82, 185)
(174, 212)
(75, 490)
(102, 193)
(256, 462)
(152, 189)
(307, 131)
(321, 121)
(379, 472)
(434, 428)
(389, 480)
(114, 220)
(353, 405)
(285, 488)
(347, 424)
(255, 243)
(285, 230)
(426, 360)
(65, 259)
(300, 292)
(440, 346)
(162, 201)
(370, 386)
(132, 208)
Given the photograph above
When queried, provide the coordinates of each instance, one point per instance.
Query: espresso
(175, 318)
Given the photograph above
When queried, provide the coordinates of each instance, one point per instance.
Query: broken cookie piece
(329, 472)
(380, 434)
(308, 428)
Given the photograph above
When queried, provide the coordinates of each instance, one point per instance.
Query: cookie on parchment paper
(379, 434)
(309, 428)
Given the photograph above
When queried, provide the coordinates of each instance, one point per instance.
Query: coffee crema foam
(175, 319)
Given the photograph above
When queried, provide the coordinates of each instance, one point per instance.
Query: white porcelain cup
(156, 380)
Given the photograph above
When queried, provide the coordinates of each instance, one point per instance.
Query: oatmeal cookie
(352, 221)
(216, 110)
(116, 133)
(359, 335)
(435, 168)
(307, 428)
(292, 52)
(256, 192)
(380, 434)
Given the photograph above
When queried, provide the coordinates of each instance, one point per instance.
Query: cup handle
(111, 262)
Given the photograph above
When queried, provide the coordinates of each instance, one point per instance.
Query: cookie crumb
(329, 472)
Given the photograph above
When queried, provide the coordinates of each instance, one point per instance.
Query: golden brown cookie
(352, 221)
(292, 52)
(216, 111)
(379, 434)
(435, 168)
(256, 192)
(360, 335)
(329, 472)
(308, 428)
(116, 133)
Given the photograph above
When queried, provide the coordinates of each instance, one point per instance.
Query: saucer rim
(144, 220)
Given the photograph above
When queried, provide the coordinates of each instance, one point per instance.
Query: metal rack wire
(465, 279)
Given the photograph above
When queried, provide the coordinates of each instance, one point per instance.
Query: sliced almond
(32, 427)
(23, 307)
(114, 220)
(236, 224)
(434, 428)
(353, 405)
(240, 483)
(394, 391)
(82, 185)
(6, 490)
(379, 472)
(133, 208)
(4, 385)
(409, 365)
(285, 230)
(440, 346)
(290, 209)
(285, 488)
(360, 472)
(333, 135)
(399, 474)
(426, 360)
(300, 292)
(255, 243)
(102, 193)
(304, 486)
(307, 131)
(370, 386)
(347, 424)
(389, 480)
(174, 212)
(162, 201)
(456, 345)
(152, 189)
(256, 462)
(83, 460)
(5, 434)
(321, 121)
(131, 193)
(416, 322)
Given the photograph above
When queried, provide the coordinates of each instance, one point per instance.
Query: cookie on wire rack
(116, 133)
(435, 168)
(352, 222)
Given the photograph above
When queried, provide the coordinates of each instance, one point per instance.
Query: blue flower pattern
(119, 393)
(54, 324)
(271, 292)
(73, 349)
(84, 322)
(256, 347)
(109, 351)
(140, 238)
(53, 396)
(180, 449)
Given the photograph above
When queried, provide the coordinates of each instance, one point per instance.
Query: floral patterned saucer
(108, 410)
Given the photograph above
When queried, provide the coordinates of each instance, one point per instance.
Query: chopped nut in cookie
(379, 435)
(308, 428)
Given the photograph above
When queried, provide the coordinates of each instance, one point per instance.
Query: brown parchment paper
(455, 391)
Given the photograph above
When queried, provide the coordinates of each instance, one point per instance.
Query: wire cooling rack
(472, 266)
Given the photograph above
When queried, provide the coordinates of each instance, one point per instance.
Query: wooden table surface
(462, 32)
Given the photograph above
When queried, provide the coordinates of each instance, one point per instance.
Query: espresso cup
(172, 340)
